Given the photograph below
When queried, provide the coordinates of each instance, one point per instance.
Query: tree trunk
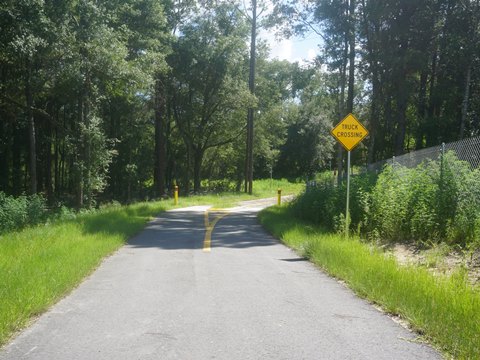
(372, 60)
(6, 130)
(170, 168)
(430, 136)
(421, 110)
(197, 166)
(32, 158)
(63, 158)
(466, 96)
(351, 60)
(401, 111)
(249, 166)
(56, 145)
(351, 66)
(4, 154)
(341, 108)
(79, 161)
(18, 141)
(373, 122)
(87, 158)
(401, 125)
(403, 90)
(160, 140)
(187, 171)
(48, 167)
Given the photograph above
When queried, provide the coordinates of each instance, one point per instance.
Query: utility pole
(250, 115)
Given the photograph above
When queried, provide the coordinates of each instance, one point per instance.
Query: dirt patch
(473, 265)
(406, 255)
(439, 260)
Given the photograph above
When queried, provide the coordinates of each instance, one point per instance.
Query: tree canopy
(122, 99)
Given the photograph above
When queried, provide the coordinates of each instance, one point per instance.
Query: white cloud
(311, 54)
(282, 50)
(302, 50)
(279, 48)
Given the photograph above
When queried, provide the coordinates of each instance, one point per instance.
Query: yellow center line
(207, 242)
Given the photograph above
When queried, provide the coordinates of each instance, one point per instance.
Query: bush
(217, 186)
(19, 212)
(325, 203)
(402, 205)
(460, 201)
(438, 201)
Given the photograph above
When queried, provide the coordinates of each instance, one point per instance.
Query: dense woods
(122, 99)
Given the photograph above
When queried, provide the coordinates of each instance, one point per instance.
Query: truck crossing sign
(349, 132)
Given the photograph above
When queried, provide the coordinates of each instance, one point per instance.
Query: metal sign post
(347, 210)
(349, 132)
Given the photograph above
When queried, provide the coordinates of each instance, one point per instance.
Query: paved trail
(168, 295)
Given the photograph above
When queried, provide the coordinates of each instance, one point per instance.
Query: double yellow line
(207, 242)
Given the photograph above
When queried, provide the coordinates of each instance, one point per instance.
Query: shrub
(325, 203)
(434, 202)
(16, 213)
(459, 197)
(438, 201)
(402, 205)
(216, 186)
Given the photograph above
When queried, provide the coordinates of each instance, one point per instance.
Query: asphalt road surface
(177, 291)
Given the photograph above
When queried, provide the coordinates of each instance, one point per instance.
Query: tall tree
(208, 89)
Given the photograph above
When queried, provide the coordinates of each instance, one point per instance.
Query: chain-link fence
(466, 149)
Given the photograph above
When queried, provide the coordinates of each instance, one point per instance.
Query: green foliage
(325, 203)
(402, 205)
(460, 202)
(19, 212)
(308, 146)
(446, 310)
(438, 201)
(208, 83)
(224, 185)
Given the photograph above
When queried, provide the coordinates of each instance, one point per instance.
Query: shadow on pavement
(241, 230)
(183, 230)
(294, 259)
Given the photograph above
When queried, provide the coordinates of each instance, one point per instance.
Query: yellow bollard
(279, 197)
(175, 195)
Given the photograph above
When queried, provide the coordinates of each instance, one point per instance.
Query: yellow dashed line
(207, 242)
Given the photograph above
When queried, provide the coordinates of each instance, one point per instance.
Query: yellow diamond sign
(349, 132)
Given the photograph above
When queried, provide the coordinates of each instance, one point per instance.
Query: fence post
(442, 199)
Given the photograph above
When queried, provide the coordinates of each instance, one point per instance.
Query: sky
(301, 49)
(294, 49)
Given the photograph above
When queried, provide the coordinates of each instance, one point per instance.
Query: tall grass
(269, 187)
(261, 187)
(41, 264)
(446, 310)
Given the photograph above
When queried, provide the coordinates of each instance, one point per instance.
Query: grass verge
(39, 265)
(445, 310)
